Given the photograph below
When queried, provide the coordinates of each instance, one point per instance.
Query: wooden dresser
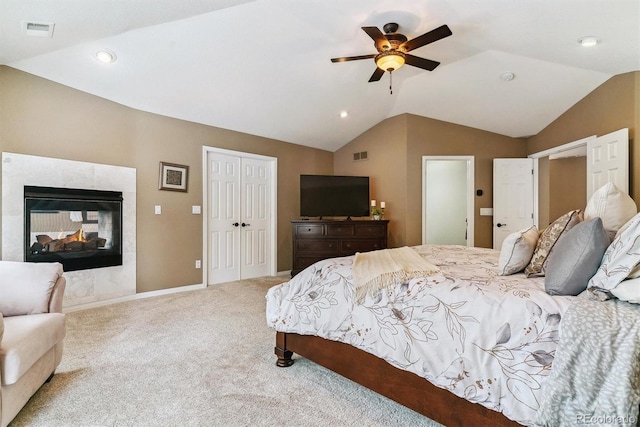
(315, 240)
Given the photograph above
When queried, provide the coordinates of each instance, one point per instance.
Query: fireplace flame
(78, 236)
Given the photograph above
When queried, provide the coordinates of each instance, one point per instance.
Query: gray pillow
(575, 258)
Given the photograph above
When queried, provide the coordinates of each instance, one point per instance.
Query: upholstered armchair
(32, 329)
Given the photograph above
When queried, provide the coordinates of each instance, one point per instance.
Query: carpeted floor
(197, 358)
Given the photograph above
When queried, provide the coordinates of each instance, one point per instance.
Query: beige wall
(613, 105)
(567, 185)
(398, 144)
(42, 118)
(385, 165)
(39, 117)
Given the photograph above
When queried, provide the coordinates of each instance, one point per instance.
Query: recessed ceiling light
(343, 114)
(507, 76)
(588, 41)
(105, 56)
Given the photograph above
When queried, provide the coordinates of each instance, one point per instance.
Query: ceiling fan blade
(378, 37)
(425, 64)
(352, 58)
(377, 75)
(426, 38)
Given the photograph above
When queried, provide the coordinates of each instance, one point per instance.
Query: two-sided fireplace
(81, 229)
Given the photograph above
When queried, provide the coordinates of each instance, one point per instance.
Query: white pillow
(517, 250)
(628, 290)
(613, 205)
(618, 261)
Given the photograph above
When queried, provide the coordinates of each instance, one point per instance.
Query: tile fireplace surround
(85, 286)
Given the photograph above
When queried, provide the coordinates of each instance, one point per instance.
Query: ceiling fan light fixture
(390, 60)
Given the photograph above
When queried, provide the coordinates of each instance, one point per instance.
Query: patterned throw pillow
(517, 250)
(619, 260)
(547, 241)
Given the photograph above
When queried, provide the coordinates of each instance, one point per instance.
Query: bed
(462, 346)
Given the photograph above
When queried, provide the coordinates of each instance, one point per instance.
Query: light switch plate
(195, 210)
(158, 210)
(486, 211)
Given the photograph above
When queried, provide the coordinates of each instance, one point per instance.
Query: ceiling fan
(392, 49)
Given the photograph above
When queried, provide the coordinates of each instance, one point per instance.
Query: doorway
(239, 215)
(448, 200)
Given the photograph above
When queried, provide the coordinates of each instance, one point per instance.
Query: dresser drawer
(315, 240)
(341, 230)
(350, 247)
(311, 230)
(313, 245)
(371, 230)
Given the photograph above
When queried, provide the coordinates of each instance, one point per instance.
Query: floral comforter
(487, 338)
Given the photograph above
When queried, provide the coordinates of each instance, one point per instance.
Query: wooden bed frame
(376, 374)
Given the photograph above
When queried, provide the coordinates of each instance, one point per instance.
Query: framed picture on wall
(173, 177)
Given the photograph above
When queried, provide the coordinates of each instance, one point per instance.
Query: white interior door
(512, 197)
(240, 200)
(608, 160)
(254, 258)
(223, 218)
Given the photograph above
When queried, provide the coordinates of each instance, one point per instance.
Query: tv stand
(315, 240)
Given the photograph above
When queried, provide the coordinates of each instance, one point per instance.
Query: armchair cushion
(25, 287)
(27, 339)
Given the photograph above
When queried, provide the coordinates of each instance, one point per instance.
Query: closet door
(254, 257)
(239, 223)
(608, 161)
(223, 218)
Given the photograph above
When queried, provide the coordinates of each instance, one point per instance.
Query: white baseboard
(146, 295)
(141, 295)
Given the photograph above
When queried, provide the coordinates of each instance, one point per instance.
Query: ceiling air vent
(38, 29)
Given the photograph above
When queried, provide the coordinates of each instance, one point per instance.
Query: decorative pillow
(25, 287)
(613, 205)
(517, 250)
(576, 258)
(628, 290)
(548, 239)
(618, 262)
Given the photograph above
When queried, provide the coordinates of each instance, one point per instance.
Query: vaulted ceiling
(263, 66)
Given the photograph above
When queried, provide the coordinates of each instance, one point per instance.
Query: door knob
(245, 225)
(235, 224)
(501, 225)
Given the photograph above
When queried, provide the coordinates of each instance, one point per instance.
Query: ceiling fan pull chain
(390, 82)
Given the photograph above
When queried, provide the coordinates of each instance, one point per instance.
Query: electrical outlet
(198, 263)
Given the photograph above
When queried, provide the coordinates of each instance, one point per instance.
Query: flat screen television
(330, 195)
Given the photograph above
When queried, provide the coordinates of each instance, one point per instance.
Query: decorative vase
(376, 217)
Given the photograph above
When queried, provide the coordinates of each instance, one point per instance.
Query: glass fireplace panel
(79, 228)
